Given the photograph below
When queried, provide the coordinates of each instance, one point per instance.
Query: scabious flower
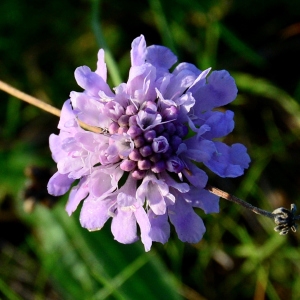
(159, 128)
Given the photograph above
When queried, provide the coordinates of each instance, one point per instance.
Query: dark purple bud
(170, 128)
(150, 135)
(132, 120)
(155, 157)
(144, 164)
(146, 150)
(175, 142)
(159, 166)
(175, 164)
(182, 130)
(123, 120)
(127, 165)
(160, 144)
(134, 131)
(168, 154)
(166, 135)
(159, 128)
(135, 155)
(139, 141)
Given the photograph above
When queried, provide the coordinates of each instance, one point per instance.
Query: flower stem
(239, 201)
(284, 219)
(42, 105)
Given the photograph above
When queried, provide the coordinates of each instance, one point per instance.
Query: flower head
(141, 170)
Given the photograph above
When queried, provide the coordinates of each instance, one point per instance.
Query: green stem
(98, 32)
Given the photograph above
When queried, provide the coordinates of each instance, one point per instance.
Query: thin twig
(29, 99)
(239, 201)
(42, 105)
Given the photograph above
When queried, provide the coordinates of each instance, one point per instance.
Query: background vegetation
(47, 255)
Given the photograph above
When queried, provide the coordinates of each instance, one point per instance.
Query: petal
(182, 187)
(199, 82)
(101, 65)
(160, 227)
(188, 225)
(124, 228)
(196, 176)
(229, 161)
(138, 51)
(59, 184)
(126, 194)
(144, 224)
(160, 57)
(55, 147)
(179, 84)
(186, 101)
(140, 85)
(219, 90)
(156, 200)
(91, 82)
(187, 66)
(94, 213)
(203, 199)
(199, 150)
(70, 164)
(67, 121)
(89, 110)
(153, 190)
(104, 181)
(220, 124)
(77, 194)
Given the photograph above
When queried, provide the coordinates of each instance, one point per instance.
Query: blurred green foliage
(47, 255)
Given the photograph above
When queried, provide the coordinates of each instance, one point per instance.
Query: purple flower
(141, 170)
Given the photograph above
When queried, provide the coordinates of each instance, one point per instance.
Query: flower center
(155, 137)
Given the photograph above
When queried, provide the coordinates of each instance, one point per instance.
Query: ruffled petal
(91, 82)
(194, 175)
(144, 224)
(140, 85)
(160, 57)
(187, 66)
(101, 65)
(203, 199)
(188, 225)
(94, 213)
(179, 84)
(160, 227)
(138, 51)
(124, 228)
(220, 124)
(153, 191)
(55, 147)
(199, 150)
(219, 90)
(67, 121)
(89, 111)
(182, 187)
(229, 161)
(77, 194)
(59, 184)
